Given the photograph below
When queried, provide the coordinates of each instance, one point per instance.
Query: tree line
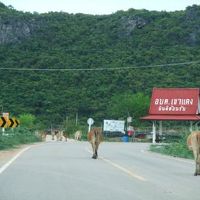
(54, 65)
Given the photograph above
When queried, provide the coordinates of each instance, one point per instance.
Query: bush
(177, 149)
(70, 127)
(17, 136)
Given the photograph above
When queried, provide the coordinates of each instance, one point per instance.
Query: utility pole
(76, 118)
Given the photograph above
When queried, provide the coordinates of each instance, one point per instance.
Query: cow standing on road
(65, 135)
(193, 142)
(41, 135)
(58, 134)
(95, 137)
(78, 135)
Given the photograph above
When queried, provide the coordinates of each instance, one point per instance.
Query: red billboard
(175, 101)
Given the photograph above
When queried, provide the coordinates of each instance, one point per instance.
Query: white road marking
(5, 166)
(125, 170)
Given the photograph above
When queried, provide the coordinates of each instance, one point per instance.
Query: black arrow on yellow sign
(11, 122)
(17, 122)
(2, 122)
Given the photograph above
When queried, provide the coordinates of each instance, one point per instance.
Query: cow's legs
(197, 169)
(195, 158)
(94, 148)
(95, 154)
(53, 135)
(198, 164)
(97, 146)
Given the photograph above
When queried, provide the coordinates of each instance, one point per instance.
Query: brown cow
(65, 135)
(95, 137)
(193, 142)
(58, 134)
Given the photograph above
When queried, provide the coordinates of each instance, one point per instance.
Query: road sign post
(154, 133)
(90, 121)
(3, 124)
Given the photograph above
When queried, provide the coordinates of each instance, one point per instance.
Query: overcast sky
(97, 6)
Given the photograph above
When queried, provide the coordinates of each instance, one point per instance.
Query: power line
(100, 68)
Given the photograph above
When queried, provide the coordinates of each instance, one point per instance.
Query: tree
(124, 105)
(27, 120)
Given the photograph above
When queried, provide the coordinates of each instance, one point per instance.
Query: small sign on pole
(90, 121)
(129, 119)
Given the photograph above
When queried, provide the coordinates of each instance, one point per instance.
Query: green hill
(57, 64)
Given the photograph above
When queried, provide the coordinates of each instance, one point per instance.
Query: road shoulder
(8, 154)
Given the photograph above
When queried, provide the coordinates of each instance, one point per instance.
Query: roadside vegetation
(174, 148)
(14, 138)
(24, 134)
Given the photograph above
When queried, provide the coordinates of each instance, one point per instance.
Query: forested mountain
(56, 64)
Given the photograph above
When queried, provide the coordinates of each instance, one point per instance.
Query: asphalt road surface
(124, 171)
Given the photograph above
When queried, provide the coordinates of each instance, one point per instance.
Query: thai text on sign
(174, 101)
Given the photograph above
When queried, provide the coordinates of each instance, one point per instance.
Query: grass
(176, 149)
(13, 138)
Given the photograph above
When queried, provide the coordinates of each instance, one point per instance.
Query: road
(124, 171)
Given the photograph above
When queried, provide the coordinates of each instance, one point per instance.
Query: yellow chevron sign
(17, 122)
(12, 122)
(8, 122)
(3, 122)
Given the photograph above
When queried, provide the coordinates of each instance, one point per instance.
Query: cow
(58, 134)
(41, 135)
(65, 135)
(53, 133)
(95, 137)
(78, 135)
(193, 143)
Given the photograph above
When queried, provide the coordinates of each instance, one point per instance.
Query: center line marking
(130, 173)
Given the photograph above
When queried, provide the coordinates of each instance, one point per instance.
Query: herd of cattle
(58, 135)
(95, 137)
